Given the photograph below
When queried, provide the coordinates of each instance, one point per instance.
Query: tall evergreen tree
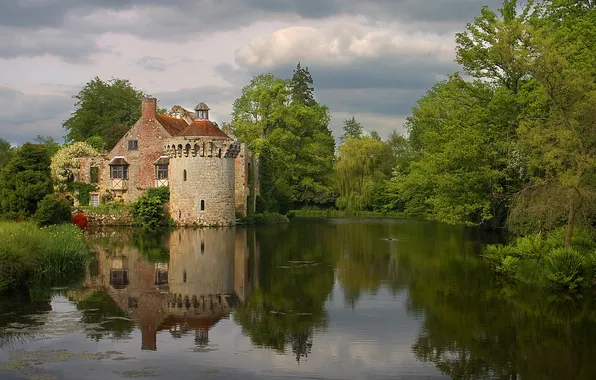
(301, 85)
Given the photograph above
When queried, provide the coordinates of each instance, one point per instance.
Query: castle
(206, 169)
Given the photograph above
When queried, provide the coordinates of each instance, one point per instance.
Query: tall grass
(52, 255)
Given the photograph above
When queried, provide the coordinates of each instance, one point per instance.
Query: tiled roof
(203, 128)
(201, 107)
(173, 125)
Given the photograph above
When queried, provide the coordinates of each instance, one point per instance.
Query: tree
(456, 173)
(375, 135)
(51, 145)
(24, 181)
(361, 163)
(291, 138)
(106, 109)
(496, 48)
(6, 152)
(561, 144)
(96, 142)
(301, 87)
(352, 129)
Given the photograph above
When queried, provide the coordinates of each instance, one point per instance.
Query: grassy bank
(311, 213)
(545, 262)
(265, 218)
(50, 255)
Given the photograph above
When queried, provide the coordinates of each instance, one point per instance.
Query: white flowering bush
(65, 162)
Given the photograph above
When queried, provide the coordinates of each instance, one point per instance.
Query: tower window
(184, 175)
(202, 205)
(133, 144)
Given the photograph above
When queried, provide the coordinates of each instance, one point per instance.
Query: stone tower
(201, 173)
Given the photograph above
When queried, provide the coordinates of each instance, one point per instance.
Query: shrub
(80, 220)
(52, 209)
(162, 193)
(564, 268)
(544, 261)
(148, 210)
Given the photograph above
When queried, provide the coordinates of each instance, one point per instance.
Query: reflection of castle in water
(206, 276)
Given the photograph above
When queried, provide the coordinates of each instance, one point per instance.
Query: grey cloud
(386, 102)
(187, 16)
(191, 96)
(22, 116)
(152, 63)
(73, 47)
(384, 72)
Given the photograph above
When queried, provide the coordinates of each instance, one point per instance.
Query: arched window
(202, 205)
(219, 153)
(202, 247)
(184, 276)
(184, 175)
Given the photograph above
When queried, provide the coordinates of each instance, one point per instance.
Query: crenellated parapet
(202, 147)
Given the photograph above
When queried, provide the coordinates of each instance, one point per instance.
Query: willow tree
(360, 164)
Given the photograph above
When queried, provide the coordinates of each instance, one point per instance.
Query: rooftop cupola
(202, 111)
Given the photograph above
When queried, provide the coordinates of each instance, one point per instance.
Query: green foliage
(265, 218)
(261, 205)
(96, 142)
(161, 193)
(288, 130)
(51, 145)
(344, 214)
(105, 109)
(352, 129)
(148, 210)
(81, 191)
(545, 261)
(24, 181)
(53, 209)
(361, 165)
(6, 152)
(54, 255)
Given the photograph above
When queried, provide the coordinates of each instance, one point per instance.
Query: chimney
(149, 108)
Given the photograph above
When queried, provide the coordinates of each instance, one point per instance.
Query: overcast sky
(368, 58)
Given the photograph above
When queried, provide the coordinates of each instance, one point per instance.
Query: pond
(316, 299)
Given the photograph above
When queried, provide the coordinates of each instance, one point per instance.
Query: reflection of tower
(201, 338)
(202, 278)
(206, 275)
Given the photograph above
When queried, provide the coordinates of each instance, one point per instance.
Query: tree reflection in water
(277, 282)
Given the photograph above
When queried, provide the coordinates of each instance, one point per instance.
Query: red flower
(80, 220)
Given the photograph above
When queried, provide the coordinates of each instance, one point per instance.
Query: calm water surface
(336, 299)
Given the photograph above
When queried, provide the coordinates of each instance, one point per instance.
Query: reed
(51, 255)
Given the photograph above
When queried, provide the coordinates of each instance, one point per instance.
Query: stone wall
(202, 176)
(97, 219)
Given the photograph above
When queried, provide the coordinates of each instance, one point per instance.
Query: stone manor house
(206, 169)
